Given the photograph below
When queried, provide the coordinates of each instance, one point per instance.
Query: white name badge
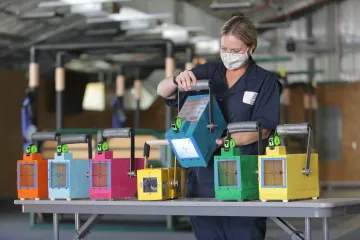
(249, 97)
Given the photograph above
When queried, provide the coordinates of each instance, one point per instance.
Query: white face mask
(234, 60)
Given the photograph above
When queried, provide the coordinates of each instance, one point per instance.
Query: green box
(236, 176)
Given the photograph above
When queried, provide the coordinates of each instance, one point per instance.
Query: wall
(345, 96)
(11, 96)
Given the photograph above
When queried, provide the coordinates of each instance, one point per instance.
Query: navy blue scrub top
(254, 97)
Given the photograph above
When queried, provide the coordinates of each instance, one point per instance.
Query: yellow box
(281, 176)
(158, 184)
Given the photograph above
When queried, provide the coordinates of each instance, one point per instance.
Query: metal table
(320, 208)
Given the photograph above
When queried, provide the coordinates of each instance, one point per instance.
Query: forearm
(167, 88)
(245, 138)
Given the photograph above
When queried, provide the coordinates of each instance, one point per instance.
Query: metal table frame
(320, 208)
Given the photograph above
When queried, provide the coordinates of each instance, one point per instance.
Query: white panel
(154, 6)
(349, 19)
(197, 17)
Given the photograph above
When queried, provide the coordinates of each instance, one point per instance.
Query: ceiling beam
(297, 13)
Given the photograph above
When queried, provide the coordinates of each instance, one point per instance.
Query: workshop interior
(95, 153)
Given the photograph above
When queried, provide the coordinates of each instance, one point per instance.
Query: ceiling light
(120, 18)
(75, 2)
(231, 5)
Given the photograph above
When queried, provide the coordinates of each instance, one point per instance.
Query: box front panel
(100, 175)
(59, 175)
(273, 174)
(149, 184)
(227, 174)
(27, 175)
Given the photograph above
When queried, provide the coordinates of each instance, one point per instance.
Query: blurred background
(78, 66)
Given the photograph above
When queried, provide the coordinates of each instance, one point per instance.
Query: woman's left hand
(219, 142)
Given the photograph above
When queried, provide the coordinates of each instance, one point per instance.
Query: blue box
(68, 178)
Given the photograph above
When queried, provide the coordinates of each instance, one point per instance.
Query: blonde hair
(242, 28)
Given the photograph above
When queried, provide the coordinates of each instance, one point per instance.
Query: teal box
(193, 143)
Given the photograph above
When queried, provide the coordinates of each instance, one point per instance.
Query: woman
(244, 92)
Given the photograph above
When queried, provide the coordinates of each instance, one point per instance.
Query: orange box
(32, 176)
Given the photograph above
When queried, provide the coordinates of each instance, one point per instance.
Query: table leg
(325, 226)
(77, 222)
(56, 225)
(307, 229)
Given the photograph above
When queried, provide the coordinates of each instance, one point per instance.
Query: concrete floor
(14, 225)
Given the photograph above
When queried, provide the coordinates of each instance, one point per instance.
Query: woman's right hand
(185, 80)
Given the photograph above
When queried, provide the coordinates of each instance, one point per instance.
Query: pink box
(108, 176)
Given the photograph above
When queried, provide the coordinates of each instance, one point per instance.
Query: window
(227, 173)
(273, 174)
(100, 175)
(58, 176)
(27, 175)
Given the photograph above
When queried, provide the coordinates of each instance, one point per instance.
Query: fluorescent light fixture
(195, 29)
(231, 5)
(119, 18)
(206, 45)
(75, 2)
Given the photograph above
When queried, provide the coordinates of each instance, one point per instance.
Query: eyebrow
(236, 49)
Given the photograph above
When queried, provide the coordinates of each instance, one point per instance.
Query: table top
(323, 207)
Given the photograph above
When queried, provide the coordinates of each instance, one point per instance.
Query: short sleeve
(267, 105)
(201, 72)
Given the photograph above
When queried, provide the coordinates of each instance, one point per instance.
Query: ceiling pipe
(78, 2)
(41, 15)
(296, 13)
(169, 45)
(102, 32)
(258, 7)
(299, 12)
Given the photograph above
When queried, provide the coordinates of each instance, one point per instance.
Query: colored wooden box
(156, 184)
(109, 177)
(32, 175)
(236, 176)
(114, 178)
(191, 140)
(160, 183)
(32, 170)
(285, 176)
(68, 177)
